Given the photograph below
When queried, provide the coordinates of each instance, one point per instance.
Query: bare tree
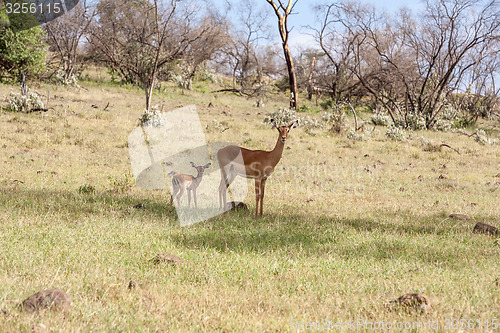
(65, 35)
(143, 39)
(210, 35)
(282, 12)
(413, 65)
(241, 55)
(453, 38)
(330, 73)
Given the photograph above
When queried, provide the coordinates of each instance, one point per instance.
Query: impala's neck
(277, 151)
(198, 177)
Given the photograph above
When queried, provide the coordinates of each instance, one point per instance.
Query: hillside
(348, 225)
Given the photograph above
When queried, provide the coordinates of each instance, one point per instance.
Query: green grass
(348, 226)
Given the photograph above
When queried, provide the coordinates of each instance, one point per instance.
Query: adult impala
(258, 164)
(182, 183)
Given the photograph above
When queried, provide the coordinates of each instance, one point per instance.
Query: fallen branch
(236, 91)
(466, 134)
(448, 146)
(38, 109)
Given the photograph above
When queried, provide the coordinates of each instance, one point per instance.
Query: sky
(305, 16)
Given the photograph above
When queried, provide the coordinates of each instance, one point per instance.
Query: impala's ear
(193, 165)
(275, 124)
(206, 166)
(294, 124)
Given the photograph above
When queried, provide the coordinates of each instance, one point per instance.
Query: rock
(4, 312)
(462, 217)
(140, 206)
(236, 205)
(168, 258)
(418, 302)
(53, 299)
(485, 229)
(443, 176)
(132, 285)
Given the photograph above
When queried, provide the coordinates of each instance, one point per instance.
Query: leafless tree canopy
(412, 64)
(144, 39)
(65, 35)
(408, 64)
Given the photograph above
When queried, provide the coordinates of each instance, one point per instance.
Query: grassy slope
(348, 225)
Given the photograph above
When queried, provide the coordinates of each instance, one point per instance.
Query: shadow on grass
(74, 205)
(415, 238)
(324, 236)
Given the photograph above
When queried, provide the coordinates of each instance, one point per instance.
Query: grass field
(348, 225)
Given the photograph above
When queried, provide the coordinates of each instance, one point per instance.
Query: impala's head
(201, 168)
(284, 129)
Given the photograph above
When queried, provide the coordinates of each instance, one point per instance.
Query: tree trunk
(284, 33)
(148, 89)
(294, 98)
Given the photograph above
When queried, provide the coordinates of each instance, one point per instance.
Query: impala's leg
(194, 197)
(222, 189)
(181, 192)
(224, 185)
(176, 189)
(257, 195)
(262, 187)
(189, 198)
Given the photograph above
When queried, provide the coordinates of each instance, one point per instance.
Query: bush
(336, 120)
(19, 103)
(381, 119)
(152, 118)
(395, 133)
(282, 116)
(21, 51)
(62, 78)
(443, 125)
(355, 136)
(483, 139)
(415, 121)
(86, 189)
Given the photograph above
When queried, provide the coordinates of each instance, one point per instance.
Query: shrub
(415, 121)
(483, 139)
(395, 133)
(19, 103)
(443, 125)
(63, 79)
(282, 116)
(355, 136)
(336, 120)
(152, 118)
(381, 119)
(86, 189)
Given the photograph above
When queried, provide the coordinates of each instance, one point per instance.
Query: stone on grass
(140, 206)
(416, 302)
(51, 299)
(166, 258)
(484, 228)
(462, 217)
(132, 285)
